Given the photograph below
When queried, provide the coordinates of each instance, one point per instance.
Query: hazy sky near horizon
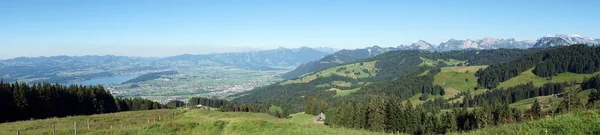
(164, 28)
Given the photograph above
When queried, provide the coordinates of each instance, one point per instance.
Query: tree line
(388, 114)
(21, 101)
(389, 67)
(382, 114)
(210, 102)
(255, 107)
(391, 116)
(315, 106)
(575, 58)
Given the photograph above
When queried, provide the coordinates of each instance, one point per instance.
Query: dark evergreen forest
(551, 62)
(21, 101)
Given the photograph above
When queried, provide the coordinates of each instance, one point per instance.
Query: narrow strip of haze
(164, 28)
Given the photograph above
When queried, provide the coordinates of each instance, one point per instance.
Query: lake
(106, 80)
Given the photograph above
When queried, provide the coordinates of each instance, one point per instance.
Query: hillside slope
(340, 57)
(326, 83)
(581, 122)
(196, 121)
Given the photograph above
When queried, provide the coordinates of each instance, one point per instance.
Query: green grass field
(356, 70)
(528, 76)
(341, 84)
(416, 101)
(118, 121)
(207, 122)
(547, 102)
(197, 121)
(458, 78)
(450, 62)
(341, 93)
(523, 78)
(582, 122)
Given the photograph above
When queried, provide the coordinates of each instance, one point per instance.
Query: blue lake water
(106, 80)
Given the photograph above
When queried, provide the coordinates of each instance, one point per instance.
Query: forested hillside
(21, 101)
(329, 84)
(414, 92)
(390, 112)
(340, 57)
(401, 89)
(575, 59)
(255, 60)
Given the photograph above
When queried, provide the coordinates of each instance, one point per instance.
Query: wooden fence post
(53, 130)
(88, 122)
(18, 132)
(75, 127)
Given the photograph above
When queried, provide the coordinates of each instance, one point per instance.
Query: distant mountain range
(348, 56)
(558, 40)
(419, 45)
(71, 68)
(307, 59)
(486, 43)
(494, 43)
(340, 57)
(257, 60)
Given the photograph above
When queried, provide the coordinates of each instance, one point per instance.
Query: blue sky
(163, 27)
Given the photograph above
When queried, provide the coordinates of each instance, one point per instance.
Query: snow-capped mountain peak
(495, 43)
(418, 45)
(564, 39)
(422, 45)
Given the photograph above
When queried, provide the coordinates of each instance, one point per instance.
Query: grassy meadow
(458, 78)
(576, 123)
(528, 76)
(192, 122)
(356, 70)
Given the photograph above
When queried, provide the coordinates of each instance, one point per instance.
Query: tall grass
(582, 122)
(192, 122)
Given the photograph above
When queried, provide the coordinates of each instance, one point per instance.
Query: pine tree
(377, 114)
(593, 99)
(571, 102)
(21, 101)
(349, 116)
(483, 115)
(536, 109)
(394, 116)
(360, 116)
(343, 114)
(410, 121)
(310, 105)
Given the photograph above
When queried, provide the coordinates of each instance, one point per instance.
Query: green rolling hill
(354, 77)
(507, 91)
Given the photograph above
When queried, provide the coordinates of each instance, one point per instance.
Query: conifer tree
(377, 114)
(360, 117)
(394, 116)
(409, 116)
(536, 109)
